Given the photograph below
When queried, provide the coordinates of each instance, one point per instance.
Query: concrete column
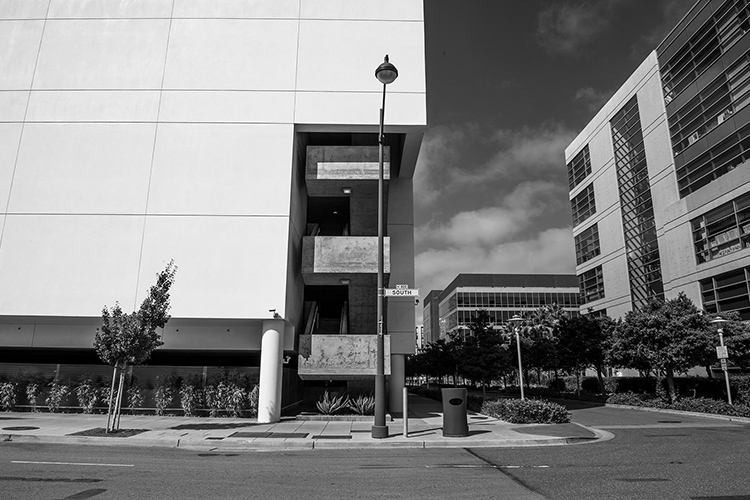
(396, 383)
(271, 363)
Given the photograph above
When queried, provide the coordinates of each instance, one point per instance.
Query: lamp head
(386, 72)
(718, 321)
(515, 319)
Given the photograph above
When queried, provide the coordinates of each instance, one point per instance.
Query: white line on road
(70, 463)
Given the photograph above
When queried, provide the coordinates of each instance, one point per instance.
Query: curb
(731, 418)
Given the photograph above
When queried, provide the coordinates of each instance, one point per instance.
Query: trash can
(454, 413)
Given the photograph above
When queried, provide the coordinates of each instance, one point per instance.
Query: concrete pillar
(271, 363)
(396, 383)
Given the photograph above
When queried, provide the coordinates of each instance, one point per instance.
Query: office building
(501, 295)
(659, 178)
(239, 139)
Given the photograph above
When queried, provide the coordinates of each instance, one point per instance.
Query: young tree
(125, 339)
(436, 360)
(582, 342)
(481, 355)
(541, 331)
(668, 336)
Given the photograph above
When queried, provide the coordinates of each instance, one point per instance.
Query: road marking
(523, 466)
(70, 463)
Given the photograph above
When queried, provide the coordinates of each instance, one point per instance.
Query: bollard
(406, 412)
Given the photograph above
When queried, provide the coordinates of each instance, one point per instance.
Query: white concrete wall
(645, 82)
(136, 132)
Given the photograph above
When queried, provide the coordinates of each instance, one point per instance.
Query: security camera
(416, 301)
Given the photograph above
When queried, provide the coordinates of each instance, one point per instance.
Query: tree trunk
(709, 372)
(601, 379)
(578, 380)
(111, 398)
(670, 384)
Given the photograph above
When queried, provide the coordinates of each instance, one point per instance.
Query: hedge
(526, 411)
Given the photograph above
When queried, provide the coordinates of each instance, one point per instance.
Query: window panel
(583, 205)
(579, 167)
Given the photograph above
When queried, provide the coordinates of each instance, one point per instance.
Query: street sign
(402, 292)
(722, 352)
(723, 364)
(402, 287)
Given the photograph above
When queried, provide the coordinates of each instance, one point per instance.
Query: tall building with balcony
(659, 179)
(239, 139)
(501, 295)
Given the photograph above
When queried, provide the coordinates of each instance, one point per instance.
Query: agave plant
(329, 405)
(364, 404)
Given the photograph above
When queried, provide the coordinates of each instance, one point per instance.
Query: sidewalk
(424, 425)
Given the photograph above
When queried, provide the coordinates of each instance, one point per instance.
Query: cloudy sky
(509, 84)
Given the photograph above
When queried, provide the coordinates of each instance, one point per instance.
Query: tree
(541, 331)
(582, 342)
(125, 339)
(667, 336)
(736, 338)
(436, 360)
(481, 354)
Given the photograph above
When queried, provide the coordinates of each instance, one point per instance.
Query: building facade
(237, 138)
(659, 178)
(501, 295)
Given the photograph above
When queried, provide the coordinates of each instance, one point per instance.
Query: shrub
(190, 395)
(526, 411)
(164, 394)
(33, 393)
(135, 395)
(557, 384)
(235, 400)
(253, 401)
(705, 405)
(86, 393)
(474, 402)
(741, 386)
(591, 385)
(8, 395)
(104, 394)
(633, 399)
(328, 405)
(57, 394)
(363, 404)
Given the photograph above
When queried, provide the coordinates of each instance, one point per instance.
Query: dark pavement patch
(102, 432)
(20, 428)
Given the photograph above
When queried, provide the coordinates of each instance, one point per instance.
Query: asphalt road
(652, 456)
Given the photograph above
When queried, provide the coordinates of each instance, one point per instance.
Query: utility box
(455, 422)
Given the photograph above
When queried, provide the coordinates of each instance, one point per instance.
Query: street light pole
(386, 73)
(516, 319)
(719, 322)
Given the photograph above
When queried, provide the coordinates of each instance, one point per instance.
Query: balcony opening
(328, 216)
(327, 309)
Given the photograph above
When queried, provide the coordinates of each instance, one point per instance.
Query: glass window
(587, 244)
(583, 205)
(591, 284)
(727, 292)
(722, 231)
(579, 167)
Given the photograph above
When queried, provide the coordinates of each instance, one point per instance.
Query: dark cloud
(568, 28)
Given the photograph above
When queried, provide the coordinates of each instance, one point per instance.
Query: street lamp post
(386, 73)
(722, 353)
(516, 319)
